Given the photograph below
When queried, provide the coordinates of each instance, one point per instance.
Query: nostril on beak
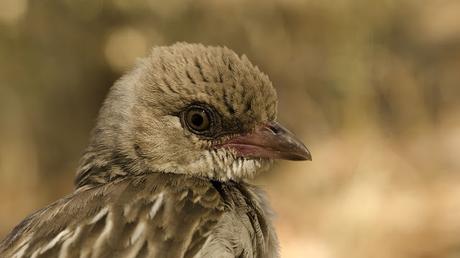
(273, 128)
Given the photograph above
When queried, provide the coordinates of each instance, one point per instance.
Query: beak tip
(303, 153)
(307, 156)
(299, 153)
(270, 141)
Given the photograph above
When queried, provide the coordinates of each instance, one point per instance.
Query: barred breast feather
(152, 215)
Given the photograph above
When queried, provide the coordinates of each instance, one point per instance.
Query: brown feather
(148, 187)
(177, 215)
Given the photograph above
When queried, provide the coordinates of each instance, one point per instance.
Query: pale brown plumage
(164, 174)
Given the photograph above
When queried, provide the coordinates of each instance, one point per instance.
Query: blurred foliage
(373, 87)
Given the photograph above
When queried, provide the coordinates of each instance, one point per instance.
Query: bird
(168, 166)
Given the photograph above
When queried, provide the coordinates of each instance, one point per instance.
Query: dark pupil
(197, 120)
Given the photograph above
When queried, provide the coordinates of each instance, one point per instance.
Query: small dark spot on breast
(219, 188)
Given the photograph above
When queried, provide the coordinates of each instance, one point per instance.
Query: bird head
(192, 109)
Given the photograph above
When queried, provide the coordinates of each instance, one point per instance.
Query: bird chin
(228, 166)
(222, 165)
(246, 168)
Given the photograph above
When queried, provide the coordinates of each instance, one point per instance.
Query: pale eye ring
(201, 119)
(197, 119)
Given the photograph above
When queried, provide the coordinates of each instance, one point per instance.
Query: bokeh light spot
(123, 46)
(12, 11)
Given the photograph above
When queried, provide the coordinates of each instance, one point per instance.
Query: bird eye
(198, 119)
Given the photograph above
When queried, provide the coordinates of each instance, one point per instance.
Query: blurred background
(372, 87)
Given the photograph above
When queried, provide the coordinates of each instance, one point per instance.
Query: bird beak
(269, 140)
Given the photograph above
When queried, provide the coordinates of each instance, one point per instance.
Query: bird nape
(165, 171)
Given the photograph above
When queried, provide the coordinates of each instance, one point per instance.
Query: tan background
(372, 87)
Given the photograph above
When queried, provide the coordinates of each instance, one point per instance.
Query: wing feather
(158, 215)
